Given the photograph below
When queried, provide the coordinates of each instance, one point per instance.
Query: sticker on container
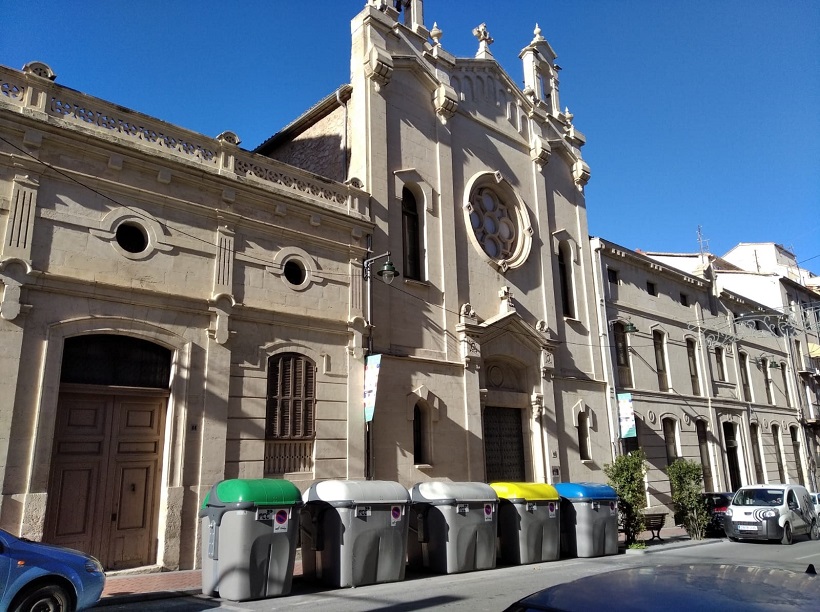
(280, 521)
(488, 512)
(551, 506)
(363, 511)
(264, 514)
(613, 509)
(395, 515)
(531, 506)
(463, 509)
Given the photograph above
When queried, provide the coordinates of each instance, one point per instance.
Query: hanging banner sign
(371, 382)
(626, 416)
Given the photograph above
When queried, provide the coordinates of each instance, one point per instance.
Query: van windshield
(758, 497)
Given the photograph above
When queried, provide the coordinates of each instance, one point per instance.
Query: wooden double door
(103, 495)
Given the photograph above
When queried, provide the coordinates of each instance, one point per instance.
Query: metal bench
(654, 523)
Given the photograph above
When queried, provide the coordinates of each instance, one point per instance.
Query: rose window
(493, 224)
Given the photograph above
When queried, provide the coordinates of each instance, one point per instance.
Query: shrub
(626, 476)
(685, 478)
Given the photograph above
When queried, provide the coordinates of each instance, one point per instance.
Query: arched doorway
(505, 457)
(103, 493)
(732, 455)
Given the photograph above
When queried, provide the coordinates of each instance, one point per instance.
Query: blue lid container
(585, 491)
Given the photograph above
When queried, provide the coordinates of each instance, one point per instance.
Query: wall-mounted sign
(626, 416)
(371, 382)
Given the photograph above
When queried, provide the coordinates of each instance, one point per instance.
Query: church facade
(177, 309)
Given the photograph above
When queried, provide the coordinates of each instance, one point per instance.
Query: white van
(771, 512)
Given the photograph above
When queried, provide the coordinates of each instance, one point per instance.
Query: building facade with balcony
(702, 370)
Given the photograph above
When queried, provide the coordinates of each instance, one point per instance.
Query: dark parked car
(36, 576)
(681, 588)
(716, 503)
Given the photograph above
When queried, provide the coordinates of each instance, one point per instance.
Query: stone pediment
(509, 334)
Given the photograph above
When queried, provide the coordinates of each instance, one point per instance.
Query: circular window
(132, 238)
(493, 224)
(295, 272)
(498, 219)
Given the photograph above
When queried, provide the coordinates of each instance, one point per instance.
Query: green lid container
(248, 492)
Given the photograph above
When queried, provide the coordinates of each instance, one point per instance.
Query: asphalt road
(492, 590)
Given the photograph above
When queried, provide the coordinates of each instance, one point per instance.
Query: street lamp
(387, 273)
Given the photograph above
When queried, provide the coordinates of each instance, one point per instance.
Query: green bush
(686, 478)
(626, 476)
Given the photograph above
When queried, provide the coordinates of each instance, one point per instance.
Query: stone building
(708, 373)
(788, 315)
(487, 365)
(175, 311)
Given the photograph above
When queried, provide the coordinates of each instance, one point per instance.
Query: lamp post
(387, 273)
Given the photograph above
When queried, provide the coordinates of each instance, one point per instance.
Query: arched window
(670, 436)
(565, 279)
(291, 405)
(705, 458)
(659, 340)
(691, 353)
(795, 435)
(785, 377)
(583, 436)
(744, 377)
(760, 473)
(720, 364)
(778, 451)
(622, 355)
(419, 435)
(109, 359)
(411, 235)
(767, 380)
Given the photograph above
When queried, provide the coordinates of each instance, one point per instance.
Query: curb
(129, 598)
(656, 548)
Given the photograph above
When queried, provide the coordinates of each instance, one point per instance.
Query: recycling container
(453, 526)
(589, 519)
(249, 529)
(354, 532)
(528, 522)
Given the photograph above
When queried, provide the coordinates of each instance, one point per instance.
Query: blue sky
(697, 113)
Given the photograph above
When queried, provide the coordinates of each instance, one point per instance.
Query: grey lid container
(354, 532)
(349, 492)
(438, 492)
(453, 526)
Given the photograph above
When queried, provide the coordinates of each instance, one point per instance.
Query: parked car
(37, 576)
(681, 588)
(815, 499)
(716, 504)
(771, 512)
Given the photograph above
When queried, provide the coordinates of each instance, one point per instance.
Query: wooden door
(503, 445)
(104, 486)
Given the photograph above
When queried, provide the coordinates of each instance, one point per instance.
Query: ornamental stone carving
(580, 173)
(540, 151)
(379, 67)
(445, 100)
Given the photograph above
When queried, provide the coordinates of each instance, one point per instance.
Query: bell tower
(541, 73)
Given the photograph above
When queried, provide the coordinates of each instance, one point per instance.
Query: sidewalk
(134, 586)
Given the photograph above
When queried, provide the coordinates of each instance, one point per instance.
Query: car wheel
(787, 534)
(733, 539)
(47, 598)
(814, 532)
